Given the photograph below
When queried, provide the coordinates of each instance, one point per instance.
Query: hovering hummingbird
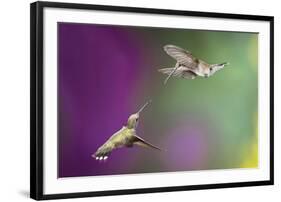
(125, 137)
(188, 66)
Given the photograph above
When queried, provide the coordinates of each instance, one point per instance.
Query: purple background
(99, 69)
(107, 72)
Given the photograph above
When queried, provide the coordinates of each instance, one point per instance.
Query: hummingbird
(188, 66)
(125, 137)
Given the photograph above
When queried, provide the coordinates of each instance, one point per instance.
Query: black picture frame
(37, 101)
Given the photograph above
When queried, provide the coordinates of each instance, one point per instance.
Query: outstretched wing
(188, 75)
(182, 56)
(141, 142)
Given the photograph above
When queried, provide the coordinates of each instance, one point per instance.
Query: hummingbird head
(134, 118)
(215, 67)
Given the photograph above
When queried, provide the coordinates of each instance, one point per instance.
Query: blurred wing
(188, 75)
(141, 142)
(182, 56)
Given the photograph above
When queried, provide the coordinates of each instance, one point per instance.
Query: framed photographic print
(134, 100)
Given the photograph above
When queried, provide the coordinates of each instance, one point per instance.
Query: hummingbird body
(125, 137)
(188, 66)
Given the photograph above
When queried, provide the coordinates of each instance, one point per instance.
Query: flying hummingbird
(125, 137)
(188, 66)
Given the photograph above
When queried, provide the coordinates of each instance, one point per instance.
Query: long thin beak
(225, 63)
(142, 108)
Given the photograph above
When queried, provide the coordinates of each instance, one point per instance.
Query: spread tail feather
(169, 71)
(166, 70)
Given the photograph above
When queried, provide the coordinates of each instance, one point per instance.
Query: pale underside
(125, 137)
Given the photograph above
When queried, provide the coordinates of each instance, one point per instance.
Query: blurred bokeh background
(106, 73)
